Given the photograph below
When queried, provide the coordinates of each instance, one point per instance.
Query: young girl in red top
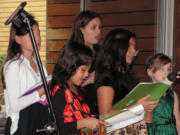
(70, 70)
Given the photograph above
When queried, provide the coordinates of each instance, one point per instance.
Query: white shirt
(19, 77)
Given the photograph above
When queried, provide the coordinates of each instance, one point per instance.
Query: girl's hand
(91, 123)
(149, 106)
(149, 117)
(41, 91)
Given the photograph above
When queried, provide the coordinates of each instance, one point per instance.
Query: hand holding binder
(36, 87)
(155, 90)
(122, 119)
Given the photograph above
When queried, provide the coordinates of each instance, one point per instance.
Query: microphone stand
(50, 128)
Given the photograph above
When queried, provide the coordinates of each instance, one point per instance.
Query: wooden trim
(134, 18)
(55, 45)
(63, 9)
(60, 21)
(62, 1)
(123, 6)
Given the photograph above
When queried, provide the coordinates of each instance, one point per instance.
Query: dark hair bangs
(87, 16)
(84, 60)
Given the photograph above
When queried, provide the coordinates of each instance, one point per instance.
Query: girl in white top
(20, 73)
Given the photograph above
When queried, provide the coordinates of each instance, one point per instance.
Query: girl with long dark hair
(87, 30)
(114, 77)
(20, 72)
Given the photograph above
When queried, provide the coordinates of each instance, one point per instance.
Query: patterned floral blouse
(68, 109)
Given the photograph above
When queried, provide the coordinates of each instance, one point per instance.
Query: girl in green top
(166, 117)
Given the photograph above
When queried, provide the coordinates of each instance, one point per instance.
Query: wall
(60, 17)
(176, 43)
(36, 7)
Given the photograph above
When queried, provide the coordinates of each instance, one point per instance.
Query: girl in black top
(114, 78)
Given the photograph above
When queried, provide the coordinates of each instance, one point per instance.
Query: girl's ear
(149, 72)
(82, 30)
(18, 39)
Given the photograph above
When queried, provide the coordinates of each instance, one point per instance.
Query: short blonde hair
(156, 61)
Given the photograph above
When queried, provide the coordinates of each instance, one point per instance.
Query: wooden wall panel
(58, 33)
(62, 1)
(137, 69)
(146, 44)
(60, 21)
(177, 42)
(142, 57)
(60, 18)
(108, 19)
(52, 57)
(55, 45)
(134, 18)
(63, 9)
(50, 67)
(112, 6)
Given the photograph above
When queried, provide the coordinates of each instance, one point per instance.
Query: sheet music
(127, 117)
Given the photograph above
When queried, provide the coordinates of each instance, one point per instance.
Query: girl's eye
(93, 27)
(83, 69)
(162, 69)
(169, 69)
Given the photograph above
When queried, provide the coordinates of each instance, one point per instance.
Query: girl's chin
(129, 62)
(77, 85)
(96, 42)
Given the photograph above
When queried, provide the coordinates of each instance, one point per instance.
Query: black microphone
(135, 57)
(173, 77)
(14, 14)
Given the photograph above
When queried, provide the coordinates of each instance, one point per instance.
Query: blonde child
(166, 117)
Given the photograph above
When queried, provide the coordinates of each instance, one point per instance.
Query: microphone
(14, 14)
(136, 53)
(135, 57)
(173, 77)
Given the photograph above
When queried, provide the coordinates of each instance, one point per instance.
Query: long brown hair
(81, 20)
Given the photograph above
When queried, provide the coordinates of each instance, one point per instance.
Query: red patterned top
(69, 108)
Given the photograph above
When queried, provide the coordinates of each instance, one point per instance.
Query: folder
(155, 90)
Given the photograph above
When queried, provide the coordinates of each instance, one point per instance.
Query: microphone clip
(49, 129)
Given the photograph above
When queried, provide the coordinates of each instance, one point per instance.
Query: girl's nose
(87, 74)
(133, 50)
(166, 72)
(38, 40)
(98, 31)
